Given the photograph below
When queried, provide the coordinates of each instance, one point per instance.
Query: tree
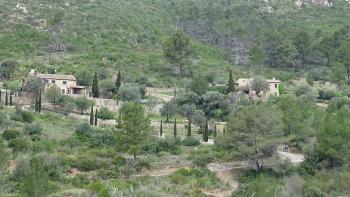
(337, 73)
(6, 99)
(326, 48)
(84, 77)
(129, 92)
(92, 115)
(199, 85)
(199, 119)
(2, 163)
(161, 129)
(118, 82)
(188, 111)
(214, 104)
(175, 128)
(256, 56)
(107, 88)
(292, 114)
(35, 184)
(136, 126)
(260, 84)
(334, 137)
(302, 43)
(53, 94)
(177, 49)
(11, 100)
(343, 56)
(206, 132)
(33, 85)
(168, 110)
(254, 132)
(95, 89)
(82, 104)
(68, 108)
(96, 115)
(231, 83)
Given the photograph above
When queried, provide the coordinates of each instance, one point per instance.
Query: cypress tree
(0, 96)
(224, 130)
(39, 102)
(96, 117)
(215, 131)
(161, 128)
(175, 128)
(118, 82)
(189, 128)
(95, 90)
(92, 115)
(205, 133)
(10, 99)
(6, 98)
(231, 83)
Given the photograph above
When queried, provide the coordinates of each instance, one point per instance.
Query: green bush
(19, 144)
(158, 146)
(202, 160)
(190, 141)
(27, 116)
(105, 114)
(88, 162)
(119, 161)
(178, 179)
(32, 129)
(326, 94)
(10, 134)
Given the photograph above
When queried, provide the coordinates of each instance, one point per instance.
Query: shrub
(119, 161)
(168, 145)
(88, 162)
(326, 94)
(302, 90)
(19, 144)
(202, 160)
(10, 134)
(190, 141)
(27, 116)
(32, 129)
(105, 114)
(21, 170)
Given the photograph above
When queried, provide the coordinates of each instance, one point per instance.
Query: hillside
(128, 35)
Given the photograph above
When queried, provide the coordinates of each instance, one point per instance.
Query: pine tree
(161, 128)
(92, 115)
(95, 90)
(205, 132)
(6, 98)
(175, 128)
(96, 117)
(231, 83)
(118, 82)
(189, 128)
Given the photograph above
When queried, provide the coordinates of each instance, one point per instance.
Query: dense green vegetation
(160, 143)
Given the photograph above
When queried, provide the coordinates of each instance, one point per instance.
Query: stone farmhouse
(244, 84)
(66, 83)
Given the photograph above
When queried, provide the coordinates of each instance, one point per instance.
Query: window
(53, 81)
(64, 82)
(63, 91)
(276, 85)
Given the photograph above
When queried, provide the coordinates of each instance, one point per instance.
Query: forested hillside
(128, 35)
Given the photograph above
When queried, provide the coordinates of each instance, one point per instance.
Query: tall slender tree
(189, 128)
(39, 102)
(161, 128)
(95, 89)
(205, 132)
(11, 100)
(231, 83)
(120, 119)
(215, 130)
(175, 128)
(96, 117)
(92, 115)
(0, 96)
(6, 99)
(35, 184)
(118, 82)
